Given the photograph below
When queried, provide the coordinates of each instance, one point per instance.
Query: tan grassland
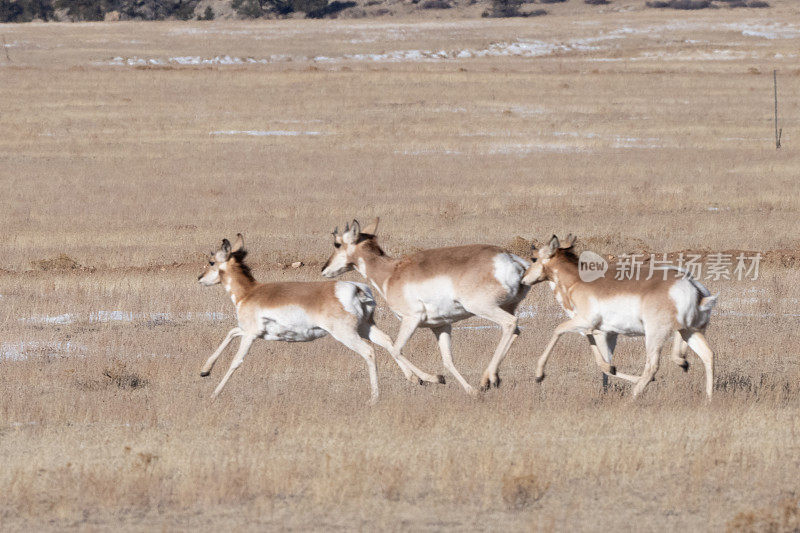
(639, 130)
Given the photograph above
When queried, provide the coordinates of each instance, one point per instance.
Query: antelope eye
(337, 245)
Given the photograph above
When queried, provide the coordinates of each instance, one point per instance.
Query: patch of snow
(266, 133)
(428, 151)
(104, 316)
(511, 149)
(449, 109)
(576, 134)
(47, 319)
(194, 60)
(635, 142)
(766, 31)
(111, 316)
(290, 121)
(527, 111)
(20, 350)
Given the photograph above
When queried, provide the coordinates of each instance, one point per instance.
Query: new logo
(591, 266)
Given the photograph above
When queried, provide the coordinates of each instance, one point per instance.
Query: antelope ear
(238, 244)
(372, 227)
(224, 253)
(554, 244)
(351, 235)
(569, 242)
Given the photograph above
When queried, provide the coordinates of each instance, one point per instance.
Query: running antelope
(669, 305)
(434, 288)
(294, 312)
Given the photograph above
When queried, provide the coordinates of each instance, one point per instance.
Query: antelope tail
(707, 303)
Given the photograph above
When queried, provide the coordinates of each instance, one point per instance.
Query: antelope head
(347, 246)
(540, 270)
(218, 260)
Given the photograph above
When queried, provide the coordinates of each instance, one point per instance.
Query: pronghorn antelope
(670, 304)
(434, 288)
(293, 312)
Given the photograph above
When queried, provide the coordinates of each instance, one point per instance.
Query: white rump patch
(684, 296)
(348, 295)
(509, 270)
(686, 293)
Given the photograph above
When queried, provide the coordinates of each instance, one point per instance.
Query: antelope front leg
(443, 336)
(508, 324)
(605, 348)
(408, 368)
(247, 341)
(206, 370)
(605, 365)
(408, 326)
(564, 327)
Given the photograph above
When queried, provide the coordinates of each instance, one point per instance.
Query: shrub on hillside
(510, 8)
(744, 3)
(25, 10)
(312, 8)
(503, 8)
(158, 9)
(84, 9)
(680, 4)
(332, 10)
(260, 8)
(308, 6)
(130, 9)
(436, 4)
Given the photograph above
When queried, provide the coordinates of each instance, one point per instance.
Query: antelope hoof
(539, 378)
(612, 370)
(205, 373)
(440, 379)
(684, 365)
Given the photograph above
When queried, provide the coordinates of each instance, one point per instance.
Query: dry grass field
(127, 151)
